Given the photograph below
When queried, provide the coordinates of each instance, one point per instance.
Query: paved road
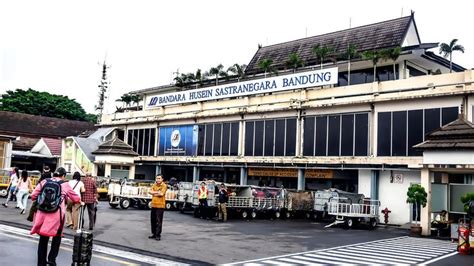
(18, 247)
(189, 240)
(394, 251)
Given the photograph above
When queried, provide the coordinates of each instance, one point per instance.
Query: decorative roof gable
(115, 146)
(457, 135)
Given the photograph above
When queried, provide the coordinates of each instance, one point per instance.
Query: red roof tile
(54, 145)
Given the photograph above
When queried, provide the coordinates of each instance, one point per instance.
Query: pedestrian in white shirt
(72, 210)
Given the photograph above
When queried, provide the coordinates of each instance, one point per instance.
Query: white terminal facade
(310, 128)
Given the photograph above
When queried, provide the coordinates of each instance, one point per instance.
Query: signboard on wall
(178, 140)
(290, 172)
(279, 83)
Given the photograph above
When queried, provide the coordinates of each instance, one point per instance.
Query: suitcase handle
(81, 218)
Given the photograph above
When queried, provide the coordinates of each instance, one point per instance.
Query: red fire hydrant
(385, 212)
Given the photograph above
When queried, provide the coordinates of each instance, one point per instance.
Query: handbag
(33, 209)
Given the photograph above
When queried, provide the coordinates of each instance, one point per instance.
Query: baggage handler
(158, 201)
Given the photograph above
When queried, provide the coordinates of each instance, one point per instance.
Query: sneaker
(22, 211)
(16, 207)
(5, 205)
(158, 238)
(152, 237)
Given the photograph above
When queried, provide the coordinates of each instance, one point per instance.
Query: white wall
(393, 195)
(364, 182)
(448, 157)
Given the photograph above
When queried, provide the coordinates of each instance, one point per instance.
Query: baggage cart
(351, 214)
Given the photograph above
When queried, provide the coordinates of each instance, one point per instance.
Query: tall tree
(266, 65)
(448, 49)
(136, 98)
(238, 70)
(294, 61)
(373, 56)
(44, 104)
(392, 54)
(321, 52)
(351, 53)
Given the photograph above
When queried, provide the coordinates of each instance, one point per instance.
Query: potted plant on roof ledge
(416, 195)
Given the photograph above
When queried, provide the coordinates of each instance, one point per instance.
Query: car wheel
(373, 223)
(124, 203)
(349, 223)
(113, 205)
(168, 206)
(277, 214)
(3, 193)
(244, 214)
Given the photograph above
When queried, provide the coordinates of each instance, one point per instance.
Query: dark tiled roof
(115, 146)
(40, 126)
(457, 135)
(386, 34)
(24, 143)
(442, 61)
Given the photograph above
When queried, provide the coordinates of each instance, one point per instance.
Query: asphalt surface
(190, 240)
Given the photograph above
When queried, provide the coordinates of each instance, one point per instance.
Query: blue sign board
(178, 140)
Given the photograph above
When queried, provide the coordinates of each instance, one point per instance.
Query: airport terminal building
(341, 120)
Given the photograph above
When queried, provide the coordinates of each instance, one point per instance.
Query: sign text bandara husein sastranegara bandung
(278, 83)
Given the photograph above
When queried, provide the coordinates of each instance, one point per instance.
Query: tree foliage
(448, 49)
(266, 65)
(294, 61)
(44, 104)
(416, 195)
(321, 52)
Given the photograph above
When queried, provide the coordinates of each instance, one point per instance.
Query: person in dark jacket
(223, 199)
(46, 173)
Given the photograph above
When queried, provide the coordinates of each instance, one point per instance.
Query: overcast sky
(57, 46)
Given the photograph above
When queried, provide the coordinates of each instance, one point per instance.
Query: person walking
(202, 196)
(46, 173)
(23, 191)
(12, 186)
(89, 197)
(72, 210)
(49, 222)
(158, 201)
(223, 199)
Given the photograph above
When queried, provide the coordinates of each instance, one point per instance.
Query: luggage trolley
(350, 214)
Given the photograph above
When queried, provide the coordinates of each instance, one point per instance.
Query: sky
(59, 46)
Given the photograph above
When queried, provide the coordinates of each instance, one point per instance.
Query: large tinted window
(218, 139)
(333, 135)
(321, 135)
(142, 141)
(361, 134)
(347, 135)
(384, 136)
(336, 135)
(399, 135)
(269, 137)
(308, 139)
(415, 131)
(272, 137)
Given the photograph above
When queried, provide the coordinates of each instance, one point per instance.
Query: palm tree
(266, 65)
(218, 71)
(136, 98)
(321, 52)
(294, 61)
(391, 54)
(374, 56)
(351, 52)
(448, 49)
(238, 70)
(126, 99)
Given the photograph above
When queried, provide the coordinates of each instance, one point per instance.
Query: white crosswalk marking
(392, 251)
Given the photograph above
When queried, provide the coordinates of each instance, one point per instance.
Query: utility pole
(104, 84)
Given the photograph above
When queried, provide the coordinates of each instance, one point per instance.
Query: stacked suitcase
(82, 248)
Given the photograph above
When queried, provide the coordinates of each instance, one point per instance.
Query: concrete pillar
(243, 176)
(131, 172)
(301, 181)
(225, 174)
(108, 169)
(374, 184)
(157, 170)
(426, 211)
(195, 173)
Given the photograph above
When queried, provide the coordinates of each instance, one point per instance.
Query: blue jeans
(22, 198)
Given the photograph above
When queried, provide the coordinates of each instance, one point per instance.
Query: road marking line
(386, 253)
(371, 256)
(439, 258)
(101, 249)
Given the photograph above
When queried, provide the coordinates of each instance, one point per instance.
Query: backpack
(50, 198)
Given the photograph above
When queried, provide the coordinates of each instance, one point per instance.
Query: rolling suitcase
(82, 248)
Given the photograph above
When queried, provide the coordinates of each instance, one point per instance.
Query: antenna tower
(103, 86)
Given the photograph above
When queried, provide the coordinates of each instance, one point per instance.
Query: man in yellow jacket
(158, 201)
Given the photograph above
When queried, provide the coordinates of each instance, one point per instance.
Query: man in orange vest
(202, 196)
(158, 201)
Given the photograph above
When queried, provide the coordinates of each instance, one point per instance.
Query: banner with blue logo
(178, 140)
